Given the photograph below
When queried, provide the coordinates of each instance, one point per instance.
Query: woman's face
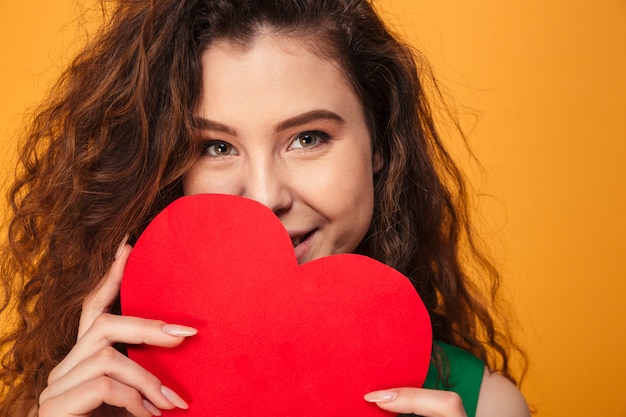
(282, 126)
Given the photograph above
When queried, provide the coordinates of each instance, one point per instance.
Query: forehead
(274, 69)
(288, 42)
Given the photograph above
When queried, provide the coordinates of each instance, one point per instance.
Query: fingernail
(174, 398)
(151, 408)
(381, 396)
(178, 330)
(120, 248)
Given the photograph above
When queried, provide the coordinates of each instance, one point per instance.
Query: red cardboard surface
(275, 338)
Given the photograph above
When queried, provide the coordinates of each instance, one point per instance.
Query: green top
(466, 375)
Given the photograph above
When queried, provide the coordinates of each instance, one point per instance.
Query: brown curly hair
(109, 147)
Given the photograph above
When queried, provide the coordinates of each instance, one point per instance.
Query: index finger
(419, 401)
(102, 298)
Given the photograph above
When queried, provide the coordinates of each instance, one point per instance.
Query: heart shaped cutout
(275, 338)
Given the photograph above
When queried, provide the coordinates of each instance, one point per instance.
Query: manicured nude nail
(178, 330)
(151, 408)
(174, 398)
(381, 396)
(120, 248)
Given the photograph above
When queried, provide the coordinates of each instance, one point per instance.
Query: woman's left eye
(309, 139)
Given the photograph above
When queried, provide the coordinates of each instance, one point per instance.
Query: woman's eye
(308, 140)
(218, 148)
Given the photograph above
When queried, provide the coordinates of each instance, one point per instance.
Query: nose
(267, 182)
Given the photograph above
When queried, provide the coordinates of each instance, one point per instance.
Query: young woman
(310, 107)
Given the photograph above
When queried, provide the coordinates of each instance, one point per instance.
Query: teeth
(296, 240)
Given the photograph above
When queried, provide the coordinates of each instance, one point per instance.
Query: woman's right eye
(218, 148)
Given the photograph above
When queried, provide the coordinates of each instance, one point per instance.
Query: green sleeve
(466, 375)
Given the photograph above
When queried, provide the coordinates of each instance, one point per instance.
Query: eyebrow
(205, 124)
(301, 119)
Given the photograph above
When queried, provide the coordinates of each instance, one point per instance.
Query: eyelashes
(309, 139)
(218, 148)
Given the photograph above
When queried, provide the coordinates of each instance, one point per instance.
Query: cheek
(199, 180)
(352, 215)
(188, 183)
(338, 184)
(357, 193)
(344, 193)
(356, 177)
(193, 181)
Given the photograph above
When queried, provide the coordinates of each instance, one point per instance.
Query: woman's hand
(498, 397)
(419, 401)
(94, 373)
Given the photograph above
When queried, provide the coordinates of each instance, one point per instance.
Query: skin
(94, 373)
(282, 126)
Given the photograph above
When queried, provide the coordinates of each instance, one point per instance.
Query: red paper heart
(275, 338)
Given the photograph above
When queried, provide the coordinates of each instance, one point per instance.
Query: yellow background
(547, 79)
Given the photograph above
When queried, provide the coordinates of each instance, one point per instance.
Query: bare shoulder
(500, 397)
